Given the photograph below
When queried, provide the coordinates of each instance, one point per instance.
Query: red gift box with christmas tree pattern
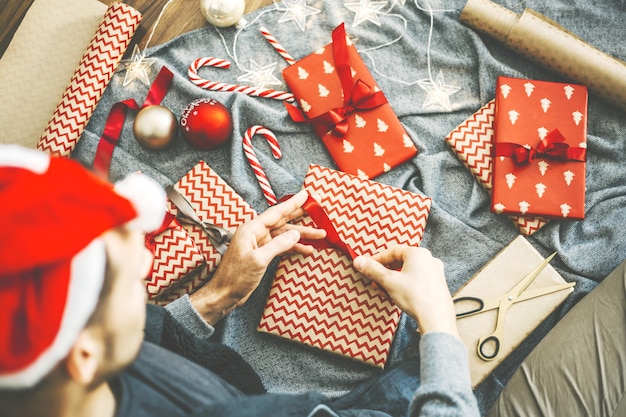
(472, 141)
(539, 158)
(175, 269)
(339, 97)
(320, 300)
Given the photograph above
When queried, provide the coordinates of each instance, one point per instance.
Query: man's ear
(84, 357)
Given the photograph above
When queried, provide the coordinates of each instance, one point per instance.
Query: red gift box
(347, 110)
(472, 141)
(320, 300)
(216, 204)
(540, 148)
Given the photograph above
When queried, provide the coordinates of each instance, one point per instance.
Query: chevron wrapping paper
(215, 202)
(320, 300)
(472, 141)
(90, 80)
(177, 259)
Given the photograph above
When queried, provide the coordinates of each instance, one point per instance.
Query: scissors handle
(475, 302)
(483, 347)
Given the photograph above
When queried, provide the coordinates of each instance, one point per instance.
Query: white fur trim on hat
(148, 198)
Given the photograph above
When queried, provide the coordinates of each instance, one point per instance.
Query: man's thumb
(370, 268)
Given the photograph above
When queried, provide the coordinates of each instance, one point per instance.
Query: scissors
(503, 303)
(218, 236)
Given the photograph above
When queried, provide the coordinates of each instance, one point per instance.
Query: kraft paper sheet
(39, 63)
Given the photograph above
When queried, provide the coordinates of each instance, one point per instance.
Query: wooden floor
(180, 16)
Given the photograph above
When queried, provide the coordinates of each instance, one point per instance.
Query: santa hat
(52, 260)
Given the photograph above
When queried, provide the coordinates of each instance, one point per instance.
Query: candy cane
(254, 162)
(277, 46)
(192, 73)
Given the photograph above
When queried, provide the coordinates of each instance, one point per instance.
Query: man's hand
(419, 288)
(252, 248)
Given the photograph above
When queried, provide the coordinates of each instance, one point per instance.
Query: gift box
(496, 278)
(176, 259)
(338, 96)
(320, 300)
(217, 207)
(472, 141)
(540, 133)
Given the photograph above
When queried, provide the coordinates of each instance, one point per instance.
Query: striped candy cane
(277, 46)
(192, 73)
(248, 150)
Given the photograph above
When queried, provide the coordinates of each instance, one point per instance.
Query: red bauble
(206, 124)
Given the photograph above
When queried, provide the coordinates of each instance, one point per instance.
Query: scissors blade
(494, 303)
(218, 236)
(521, 286)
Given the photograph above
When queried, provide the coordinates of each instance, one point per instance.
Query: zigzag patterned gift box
(215, 202)
(472, 141)
(320, 300)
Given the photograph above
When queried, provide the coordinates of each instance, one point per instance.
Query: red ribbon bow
(553, 146)
(117, 115)
(357, 96)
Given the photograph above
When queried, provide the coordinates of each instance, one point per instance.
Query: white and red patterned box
(321, 300)
(540, 141)
(215, 202)
(374, 140)
(472, 141)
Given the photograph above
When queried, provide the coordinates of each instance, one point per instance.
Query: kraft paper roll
(545, 42)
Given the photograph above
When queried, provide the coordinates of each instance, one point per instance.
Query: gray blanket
(461, 229)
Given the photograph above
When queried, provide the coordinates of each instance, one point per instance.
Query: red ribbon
(357, 96)
(553, 146)
(117, 116)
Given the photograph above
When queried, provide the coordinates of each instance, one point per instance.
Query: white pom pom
(148, 198)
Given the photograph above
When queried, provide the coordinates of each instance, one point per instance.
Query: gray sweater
(444, 382)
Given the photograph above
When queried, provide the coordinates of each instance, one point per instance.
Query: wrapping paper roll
(545, 42)
(90, 79)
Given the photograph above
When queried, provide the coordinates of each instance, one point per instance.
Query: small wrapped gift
(472, 141)
(338, 96)
(321, 300)
(539, 148)
(176, 259)
(209, 210)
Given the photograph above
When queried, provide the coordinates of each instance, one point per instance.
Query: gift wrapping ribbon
(356, 95)
(553, 146)
(117, 116)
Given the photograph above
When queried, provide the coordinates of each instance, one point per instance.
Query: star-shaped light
(366, 10)
(260, 76)
(296, 10)
(437, 92)
(137, 67)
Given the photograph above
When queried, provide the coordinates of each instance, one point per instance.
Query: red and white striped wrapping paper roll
(90, 79)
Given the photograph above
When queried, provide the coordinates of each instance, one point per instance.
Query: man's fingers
(281, 213)
(277, 246)
(371, 268)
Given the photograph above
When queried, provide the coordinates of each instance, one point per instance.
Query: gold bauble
(155, 127)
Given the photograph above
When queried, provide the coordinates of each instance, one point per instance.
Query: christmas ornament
(366, 10)
(248, 150)
(155, 127)
(117, 116)
(222, 13)
(206, 124)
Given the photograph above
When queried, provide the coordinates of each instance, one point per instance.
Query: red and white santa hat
(52, 260)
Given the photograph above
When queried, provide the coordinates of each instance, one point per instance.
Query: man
(72, 309)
